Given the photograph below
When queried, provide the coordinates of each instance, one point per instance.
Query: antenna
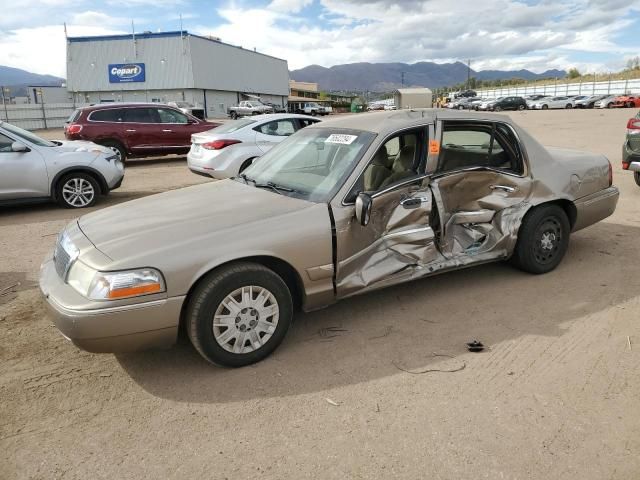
(65, 30)
(133, 36)
(181, 30)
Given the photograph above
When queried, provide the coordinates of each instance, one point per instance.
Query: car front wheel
(239, 314)
(543, 239)
(77, 190)
(521, 107)
(545, 107)
(234, 115)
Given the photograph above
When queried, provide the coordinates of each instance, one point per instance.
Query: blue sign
(126, 72)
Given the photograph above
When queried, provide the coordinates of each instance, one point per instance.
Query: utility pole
(4, 102)
(468, 73)
(402, 78)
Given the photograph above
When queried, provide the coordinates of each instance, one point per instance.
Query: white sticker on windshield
(341, 139)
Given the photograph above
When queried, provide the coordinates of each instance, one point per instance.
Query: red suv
(136, 130)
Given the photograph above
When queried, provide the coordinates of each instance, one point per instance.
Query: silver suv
(72, 173)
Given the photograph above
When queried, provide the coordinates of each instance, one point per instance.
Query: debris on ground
(475, 346)
(462, 366)
(332, 402)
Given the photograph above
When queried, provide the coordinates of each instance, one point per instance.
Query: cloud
(288, 6)
(43, 49)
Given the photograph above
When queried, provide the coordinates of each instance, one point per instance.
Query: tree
(633, 63)
(573, 73)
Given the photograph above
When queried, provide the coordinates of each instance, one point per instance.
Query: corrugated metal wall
(614, 87)
(34, 117)
(167, 63)
(172, 63)
(217, 66)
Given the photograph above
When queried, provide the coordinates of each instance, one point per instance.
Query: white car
(72, 173)
(488, 103)
(225, 151)
(605, 102)
(552, 102)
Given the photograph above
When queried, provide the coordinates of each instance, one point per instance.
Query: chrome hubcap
(246, 319)
(78, 192)
(547, 241)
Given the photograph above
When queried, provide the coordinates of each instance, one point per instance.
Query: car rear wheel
(117, 148)
(239, 314)
(545, 107)
(521, 107)
(497, 109)
(609, 105)
(568, 105)
(234, 116)
(636, 176)
(77, 190)
(246, 164)
(543, 239)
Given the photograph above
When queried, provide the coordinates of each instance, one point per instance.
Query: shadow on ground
(364, 338)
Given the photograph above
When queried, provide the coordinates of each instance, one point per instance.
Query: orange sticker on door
(434, 147)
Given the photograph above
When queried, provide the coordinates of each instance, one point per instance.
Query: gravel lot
(555, 395)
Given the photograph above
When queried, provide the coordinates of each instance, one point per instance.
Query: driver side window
(396, 160)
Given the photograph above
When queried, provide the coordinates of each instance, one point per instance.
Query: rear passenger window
(278, 128)
(474, 145)
(5, 143)
(110, 115)
(305, 122)
(141, 115)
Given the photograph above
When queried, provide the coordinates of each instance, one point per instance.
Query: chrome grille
(61, 260)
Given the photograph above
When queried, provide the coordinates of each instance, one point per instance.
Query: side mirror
(19, 147)
(364, 202)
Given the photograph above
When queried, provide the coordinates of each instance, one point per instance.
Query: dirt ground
(554, 396)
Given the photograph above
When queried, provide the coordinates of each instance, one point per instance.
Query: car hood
(79, 146)
(157, 222)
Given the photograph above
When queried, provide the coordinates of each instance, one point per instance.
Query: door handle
(503, 187)
(413, 202)
(168, 131)
(129, 130)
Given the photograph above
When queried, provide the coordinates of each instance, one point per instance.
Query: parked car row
(542, 102)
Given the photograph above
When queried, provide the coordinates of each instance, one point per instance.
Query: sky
(591, 35)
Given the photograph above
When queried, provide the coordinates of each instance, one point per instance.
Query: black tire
(207, 298)
(609, 105)
(636, 177)
(545, 107)
(568, 106)
(546, 222)
(234, 116)
(117, 148)
(246, 164)
(72, 190)
(497, 109)
(521, 107)
(629, 105)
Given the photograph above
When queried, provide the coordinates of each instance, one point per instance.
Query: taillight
(219, 144)
(633, 124)
(74, 128)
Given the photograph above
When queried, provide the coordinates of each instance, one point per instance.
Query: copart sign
(126, 72)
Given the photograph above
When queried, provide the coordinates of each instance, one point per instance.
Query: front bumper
(595, 207)
(95, 328)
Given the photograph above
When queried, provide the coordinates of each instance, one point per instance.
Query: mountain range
(17, 80)
(381, 77)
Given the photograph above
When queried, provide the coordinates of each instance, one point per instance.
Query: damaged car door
(393, 237)
(480, 186)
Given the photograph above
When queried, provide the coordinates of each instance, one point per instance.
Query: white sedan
(225, 151)
(552, 102)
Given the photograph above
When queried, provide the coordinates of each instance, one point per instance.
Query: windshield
(312, 164)
(28, 136)
(232, 126)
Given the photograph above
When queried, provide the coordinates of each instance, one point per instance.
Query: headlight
(97, 285)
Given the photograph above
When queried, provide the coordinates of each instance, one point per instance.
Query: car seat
(378, 171)
(402, 165)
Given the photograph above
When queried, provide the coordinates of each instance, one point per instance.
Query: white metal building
(172, 66)
(413, 98)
